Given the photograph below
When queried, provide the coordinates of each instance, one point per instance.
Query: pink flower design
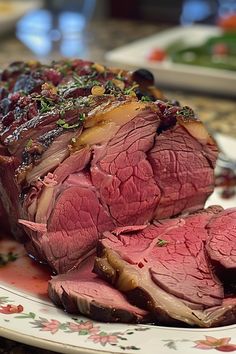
(10, 309)
(86, 326)
(220, 344)
(103, 338)
(51, 326)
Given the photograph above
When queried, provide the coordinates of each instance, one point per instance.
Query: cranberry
(143, 77)
(53, 76)
(14, 97)
(8, 119)
(161, 105)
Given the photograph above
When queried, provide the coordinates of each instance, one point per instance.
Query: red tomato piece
(220, 49)
(157, 54)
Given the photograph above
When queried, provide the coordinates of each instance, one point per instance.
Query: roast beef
(86, 151)
(164, 267)
(89, 156)
(81, 291)
(221, 245)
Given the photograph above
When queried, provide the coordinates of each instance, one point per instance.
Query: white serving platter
(135, 55)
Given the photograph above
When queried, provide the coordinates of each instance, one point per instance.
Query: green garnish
(120, 77)
(29, 143)
(128, 90)
(63, 124)
(45, 106)
(46, 103)
(83, 82)
(111, 87)
(161, 243)
(82, 116)
(6, 258)
(6, 85)
(146, 99)
(186, 112)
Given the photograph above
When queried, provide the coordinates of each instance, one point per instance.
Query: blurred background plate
(11, 11)
(168, 73)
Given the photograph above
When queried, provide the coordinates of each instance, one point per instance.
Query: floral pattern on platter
(82, 327)
(219, 344)
(87, 328)
(93, 332)
(10, 309)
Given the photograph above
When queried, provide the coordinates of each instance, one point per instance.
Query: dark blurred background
(170, 11)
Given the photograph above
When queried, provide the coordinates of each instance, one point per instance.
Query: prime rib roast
(97, 160)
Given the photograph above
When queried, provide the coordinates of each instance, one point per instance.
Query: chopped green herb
(65, 68)
(161, 243)
(45, 103)
(83, 82)
(146, 99)
(45, 106)
(6, 258)
(62, 123)
(6, 85)
(128, 90)
(29, 143)
(111, 88)
(82, 116)
(62, 70)
(186, 112)
(120, 77)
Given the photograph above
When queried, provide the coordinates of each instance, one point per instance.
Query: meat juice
(21, 271)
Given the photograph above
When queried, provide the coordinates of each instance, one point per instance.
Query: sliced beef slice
(122, 174)
(75, 217)
(83, 292)
(181, 170)
(165, 264)
(221, 244)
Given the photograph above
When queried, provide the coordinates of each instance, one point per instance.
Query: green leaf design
(171, 345)
(63, 326)
(26, 315)
(41, 322)
(103, 334)
(4, 300)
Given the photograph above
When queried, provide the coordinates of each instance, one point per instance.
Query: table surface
(217, 112)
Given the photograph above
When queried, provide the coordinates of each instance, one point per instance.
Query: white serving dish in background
(134, 55)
